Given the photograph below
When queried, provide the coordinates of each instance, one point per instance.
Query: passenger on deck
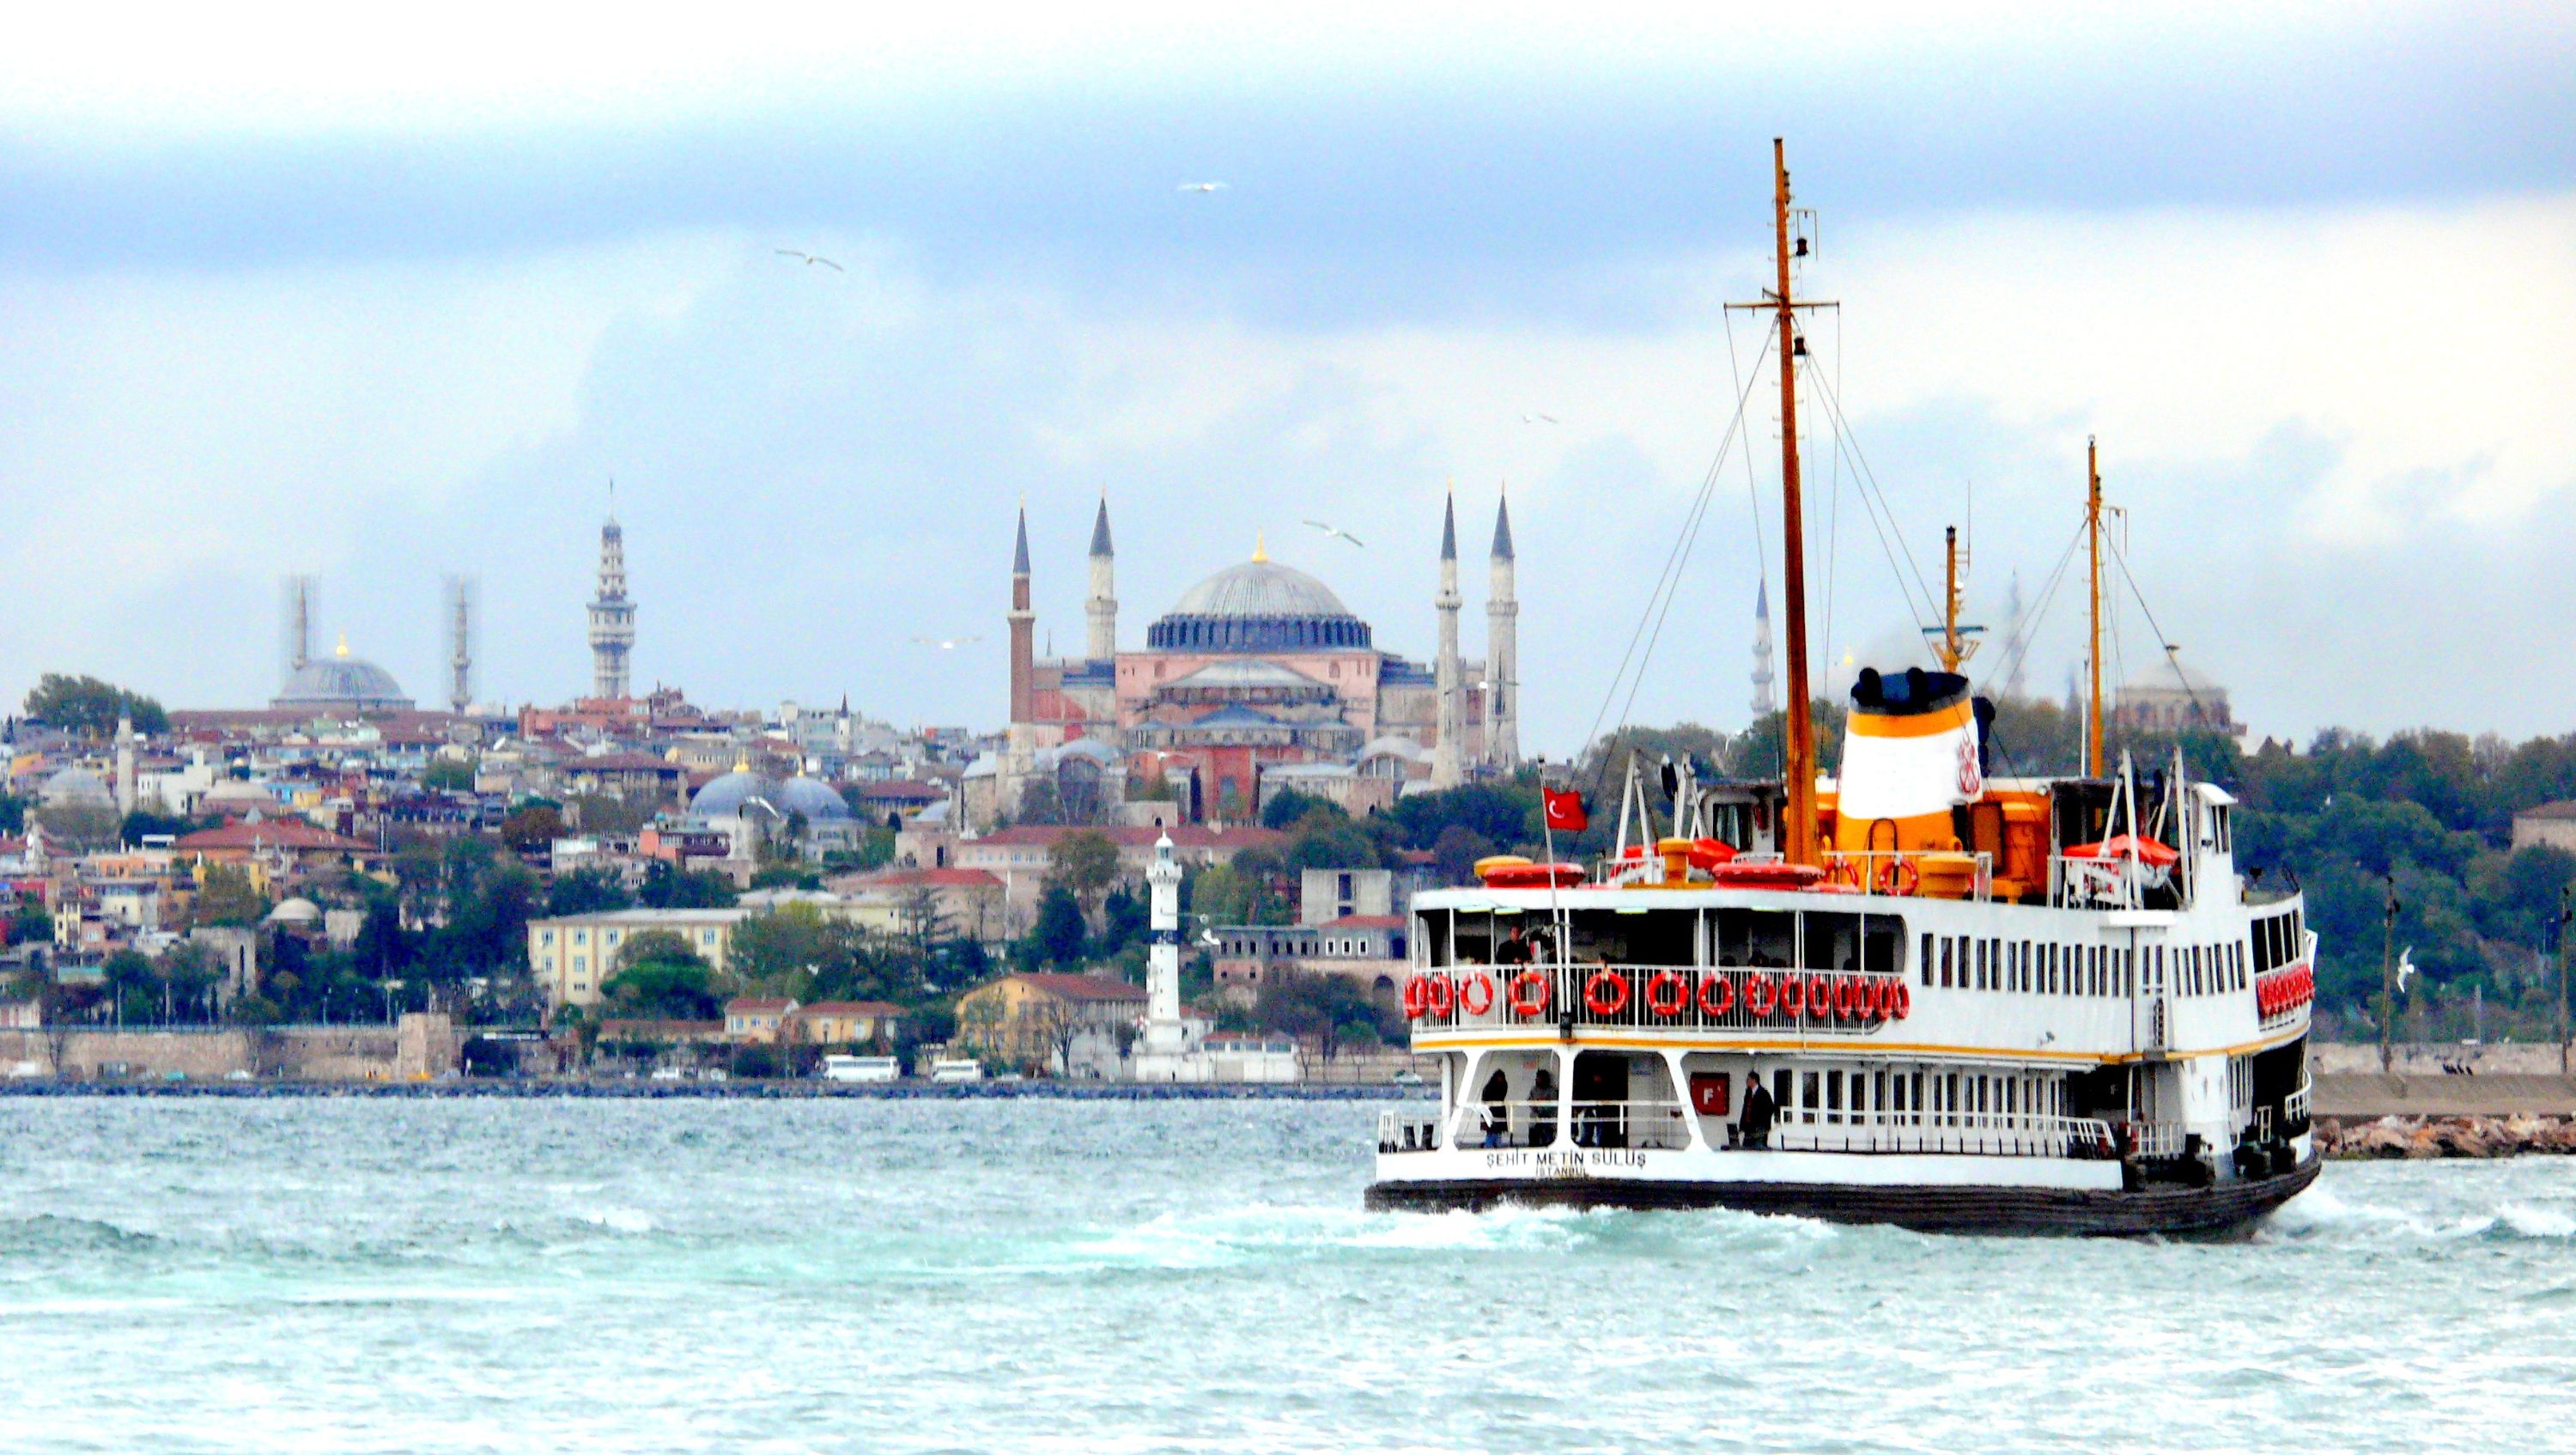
(1514, 950)
(1497, 1114)
(1759, 1110)
(1543, 1108)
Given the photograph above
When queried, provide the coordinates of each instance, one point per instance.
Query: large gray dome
(342, 683)
(1258, 606)
(76, 786)
(811, 797)
(724, 796)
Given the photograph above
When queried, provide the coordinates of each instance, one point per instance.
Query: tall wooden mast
(1952, 650)
(2093, 541)
(1799, 843)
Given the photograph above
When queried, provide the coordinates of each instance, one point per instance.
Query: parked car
(955, 1070)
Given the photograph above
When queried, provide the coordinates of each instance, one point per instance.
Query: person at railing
(1759, 1111)
(1495, 1117)
(1514, 951)
(1543, 1108)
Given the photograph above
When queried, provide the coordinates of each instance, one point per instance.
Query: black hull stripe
(2155, 1210)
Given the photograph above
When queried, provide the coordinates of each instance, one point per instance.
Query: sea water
(1058, 1275)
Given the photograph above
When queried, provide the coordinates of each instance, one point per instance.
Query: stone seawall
(2457, 1136)
(418, 1048)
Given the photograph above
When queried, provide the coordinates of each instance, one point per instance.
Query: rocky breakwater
(2446, 1136)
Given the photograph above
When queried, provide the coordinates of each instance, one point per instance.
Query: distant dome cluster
(729, 795)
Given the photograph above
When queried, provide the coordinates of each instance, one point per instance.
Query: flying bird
(1202, 187)
(1538, 419)
(2405, 968)
(1334, 530)
(810, 259)
(946, 644)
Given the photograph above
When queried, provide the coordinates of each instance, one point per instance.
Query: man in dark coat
(1759, 1109)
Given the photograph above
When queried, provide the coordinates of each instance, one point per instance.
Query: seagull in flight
(1202, 187)
(946, 644)
(1538, 419)
(810, 258)
(1334, 530)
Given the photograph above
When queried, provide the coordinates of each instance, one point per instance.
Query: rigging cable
(1891, 541)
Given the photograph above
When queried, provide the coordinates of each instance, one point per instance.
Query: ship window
(1917, 1098)
(1832, 941)
(1780, 1087)
(1807, 1098)
(1923, 966)
(1947, 944)
(1834, 1096)
(1878, 1091)
(2019, 975)
(2048, 977)
(1880, 937)
(1753, 937)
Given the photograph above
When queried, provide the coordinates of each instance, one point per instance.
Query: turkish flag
(1564, 810)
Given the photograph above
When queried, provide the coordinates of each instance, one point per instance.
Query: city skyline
(467, 310)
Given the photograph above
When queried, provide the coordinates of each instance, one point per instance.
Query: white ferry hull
(2046, 1197)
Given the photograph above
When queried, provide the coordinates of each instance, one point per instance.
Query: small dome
(76, 786)
(342, 683)
(811, 797)
(296, 911)
(723, 797)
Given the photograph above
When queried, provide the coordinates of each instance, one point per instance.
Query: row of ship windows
(1830, 1095)
(1958, 962)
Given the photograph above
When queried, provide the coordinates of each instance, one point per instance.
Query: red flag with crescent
(1565, 813)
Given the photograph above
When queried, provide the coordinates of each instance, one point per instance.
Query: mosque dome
(76, 786)
(296, 911)
(342, 683)
(1258, 606)
(811, 797)
(724, 796)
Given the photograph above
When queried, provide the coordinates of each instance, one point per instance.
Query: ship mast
(1953, 649)
(1799, 845)
(2093, 542)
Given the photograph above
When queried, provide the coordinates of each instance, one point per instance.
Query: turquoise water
(1058, 1276)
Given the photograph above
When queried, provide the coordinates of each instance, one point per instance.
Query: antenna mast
(2093, 542)
(1799, 843)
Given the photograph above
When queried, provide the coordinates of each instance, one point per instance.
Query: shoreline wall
(418, 1048)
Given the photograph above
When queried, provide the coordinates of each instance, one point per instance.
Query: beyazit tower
(612, 616)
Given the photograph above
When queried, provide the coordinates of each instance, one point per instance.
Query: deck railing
(1658, 997)
(1969, 1133)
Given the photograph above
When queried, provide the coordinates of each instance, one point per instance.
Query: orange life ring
(1436, 996)
(1793, 996)
(1844, 994)
(1417, 997)
(1605, 993)
(1882, 1000)
(1721, 1000)
(1535, 1003)
(1760, 997)
(1843, 871)
(1820, 997)
(1899, 876)
(1467, 989)
(1667, 980)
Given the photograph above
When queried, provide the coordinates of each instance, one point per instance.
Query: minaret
(1763, 705)
(612, 616)
(460, 642)
(1163, 958)
(1446, 764)
(125, 762)
(1102, 608)
(1502, 649)
(1023, 625)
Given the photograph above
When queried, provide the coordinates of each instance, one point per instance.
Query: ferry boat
(1910, 993)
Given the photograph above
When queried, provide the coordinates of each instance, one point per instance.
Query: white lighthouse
(1163, 960)
(1173, 1045)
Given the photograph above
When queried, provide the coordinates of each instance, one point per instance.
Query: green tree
(663, 990)
(1084, 865)
(1288, 806)
(532, 828)
(90, 707)
(140, 825)
(225, 897)
(587, 891)
(449, 775)
(666, 887)
(1059, 935)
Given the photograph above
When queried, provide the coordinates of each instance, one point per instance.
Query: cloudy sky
(382, 299)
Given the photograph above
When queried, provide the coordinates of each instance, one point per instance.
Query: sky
(384, 297)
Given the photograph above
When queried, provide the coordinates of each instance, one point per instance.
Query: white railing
(1399, 1131)
(1969, 1133)
(1657, 997)
(2294, 1108)
(2155, 1139)
(1652, 1125)
(1875, 871)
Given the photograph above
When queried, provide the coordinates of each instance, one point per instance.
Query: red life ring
(1466, 992)
(1760, 997)
(1899, 876)
(1661, 981)
(1716, 995)
(1793, 996)
(1417, 997)
(1820, 997)
(1882, 1000)
(1436, 996)
(1533, 1003)
(1843, 871)
(1605, 993)
(1844, 994)
(1904, 1000)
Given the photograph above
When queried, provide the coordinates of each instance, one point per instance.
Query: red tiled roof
(649, 1030)
(935, 878)
(757, 1005)
(281, 833)
(903, 789)
(876, 1008)
(621, 763)
(1364, 922)
(1082, 987)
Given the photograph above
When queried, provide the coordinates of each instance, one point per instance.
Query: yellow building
(571, 956)
(1067, 1025)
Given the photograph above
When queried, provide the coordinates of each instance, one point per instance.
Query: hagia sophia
(1257, 680)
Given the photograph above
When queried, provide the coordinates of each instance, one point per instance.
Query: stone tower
(612, 616)
(1502, 649)
(1447, 762)
(1102, 607)
(125, 762)
(1023, 627)
(1762, 700)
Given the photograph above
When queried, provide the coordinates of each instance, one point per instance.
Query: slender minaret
(1446, 763)
(1023, 626)
(1763, 704)
(295, 624)
(1102, 608)
(1163, 958)
(612, 616)
(125, 762)
(1502, 649)
(460, 642)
